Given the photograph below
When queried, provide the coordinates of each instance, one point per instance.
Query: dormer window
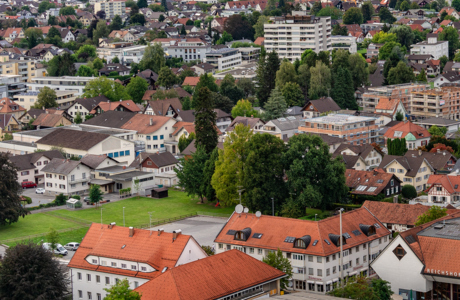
(302, 242)
(337, 240)
(367, 229)
(242, 235)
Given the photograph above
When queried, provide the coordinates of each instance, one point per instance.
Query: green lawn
(136, 214)
(362, 51)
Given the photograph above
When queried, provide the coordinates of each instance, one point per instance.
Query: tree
(382, 289)
(399, 116)
(340, 60)
(311, 172)
(84, 71)
(397, 146)
(246, 86)
(46, 98)
(205, 81)
(387, 49)
(136, 88)
(405, 5)
(29, 271)
(343, 93)
(384, 37)
(422, 76)
(339, 30)
(184, 141)
(263, 173)
(209, 168)
(405, 35)
(164, 5)
(228, 176)
(60, 199)
(450, 34)
(67, 11)
(434, 213)
(285, 74)
(243, 108)
(437, 131)
(278, 261)
(78, 119)
(138, 19)
(116, 23)
(267, 67)
(142, 3)
(259, 26)
(330, 11)
(53, 238)
(229, 89)
(87, 51)
(166, 78)
(402, 73)
(101, 14)
(44, 6)
(317, 7)
(442, 148)
(121, 291)
(154, 58)
(443, 60)
(359, 70)
(303, 78)
(61, 65)
(115, 60)
(221, 102)
(456, 4)
(101, 31)
(33, 36)
(386, 16)
(320, 81)
(165, 94)
(205, 120)
(441, 140)
(104, 86)
(190, 172)
(361, 288)
(186, 104)
(226, 37)
(183, 31)
(95, 194)
(276, 105)
(293, 94)
(353, 16)
(367, 10)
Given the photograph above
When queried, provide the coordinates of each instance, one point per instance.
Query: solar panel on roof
(231, 232)
(347, 235)
(356, 232)
(380, 181)
(257, 235)
(410, 239)
(377, 225)
(315, 242)
(289, 239)
(327, 242)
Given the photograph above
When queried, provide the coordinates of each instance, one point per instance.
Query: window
(162, 137)
(399, 252)
(98, 279)
(89, 296)
(72, 178)
(144, 269)
(88, 277)
(328, 272)
(319, 272)
(126, 152)
(327, 259)
(79, 276)
(297, 256)
(310, 271)
(364, 258)
(80, 294)
(114, 264)
(357, 261)
(99, 297)
(334, 270)
(333, 256)
(357, 248)
(310, 258)
(364, 246)
(259, 251)
(251, 250)
(155, 137)
(123, 266)
(133, 267)
(319, 259)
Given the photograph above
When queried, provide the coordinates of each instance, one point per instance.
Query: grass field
(136, 214)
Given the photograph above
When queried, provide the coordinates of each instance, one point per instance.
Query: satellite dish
(258, 214)
(239, 209)
(246, 210)
(290, 283)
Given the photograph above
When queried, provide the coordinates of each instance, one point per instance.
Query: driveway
(37, 199)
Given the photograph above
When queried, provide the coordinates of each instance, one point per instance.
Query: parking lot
(37, 199)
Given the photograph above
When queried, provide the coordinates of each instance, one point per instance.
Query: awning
(309, 281)
(335, 280)
(362, 270)
(319, 282)
(100, 181)
(353, 273)
(329, 282)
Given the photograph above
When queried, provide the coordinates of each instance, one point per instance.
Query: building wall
(153, 145)
(419, 181)
(26, 175)
(75, 108)
(113, 145)
(67, 186)
(437, 50)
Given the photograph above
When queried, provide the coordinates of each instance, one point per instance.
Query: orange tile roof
(141, 123)
(189, 127)
(416, 27)
(445, 22)
(45, 29)
(148, 95)
(183, 21)
(440, 29)
(259, 41)
(406, 128)
(355, 178)
(156, 251)
(387, 104)
(395, 213)
(211, 278)
(107, 106)
(191, 81)
(8, 106)
(276, 229)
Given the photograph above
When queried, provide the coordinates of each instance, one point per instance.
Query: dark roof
(190, 149)
(247, 121)
(111, 118)
(5, 119)
(49, 120)
(377, 179)
(323, 105)
(114, 67)
(411, 164)
(73, 139)
(60, 166)
(160, 107)
(451, 76)
(437, 160)
(26, 161)
(90, 103)
(377, 78)
(420, 56)
(328, 139)
(189, 115)
(93, 161)
(293, 111)
(160, 159)
(360, 150)
(350, 160)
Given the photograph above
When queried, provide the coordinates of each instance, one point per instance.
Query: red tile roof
(156, 251)
(406, 128)
(450, 183)
(445, 22)
(369, 179)
(8, 106)
(210, 278)
(191, 81)
(274, 231)
(183, 21)
(129, 105)
(189, 127)
(396, 213)
(416, 27)
(387, 104)
(141, 123)
(259, 41)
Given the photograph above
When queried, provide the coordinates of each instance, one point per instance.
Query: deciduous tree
(190, 172)
(353, 16)
(95, 194)
(320, 81)
(166, 78)
(229, 89)
(121, 291)
(450, 34)
(434, 213)
(359, 70)
(285, 74)
(293, 94)
(405, 35)
(136, 88)
(259, 26)
(278, 261)
(107, 87)
(154, 58)
(402, 73)
(243, 108)
(386, 16)
(46, 98)
(221, 102)
(367, 10)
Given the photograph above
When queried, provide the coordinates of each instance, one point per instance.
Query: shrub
(60, 199)
(408, 191)
(208, 249)
(78, 205)
(76, 197)
(28, 200)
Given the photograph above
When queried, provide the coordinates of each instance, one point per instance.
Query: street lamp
(123, 216)
(315, 216)
(273, 206)
(341, 249)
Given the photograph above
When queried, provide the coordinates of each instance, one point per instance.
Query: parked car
(28, 184)
(72, 246)
(59, 249)
(40, 191)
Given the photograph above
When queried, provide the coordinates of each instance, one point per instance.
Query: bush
(408, 191)
(347, 206)
(60, 199)
(78, 205)
(389, 200)
(28, 200)
(76, 197)
(208, 249)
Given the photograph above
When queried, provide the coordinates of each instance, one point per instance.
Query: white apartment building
(340, 42)
(126, 55)
(431, 46)
(111, 8)
(28, 99)
(313, 248)
(188, 49)
(63, 83)
(225, 58)
(110, 253)
(13, 84)
(290, 36)
(69, 177)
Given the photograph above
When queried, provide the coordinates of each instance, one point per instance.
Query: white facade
(76, 182)
(224, 58)
(433, 47)
(187, 49)
(64, 83)
(111, 8)
(340, 42)
(291, 39)
(126, 55)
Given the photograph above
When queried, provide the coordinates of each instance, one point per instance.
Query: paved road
(203, 229)
(37, 199)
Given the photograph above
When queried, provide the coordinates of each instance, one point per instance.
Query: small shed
(72, 203)
(160, 192)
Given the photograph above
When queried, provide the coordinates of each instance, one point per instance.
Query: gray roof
(437, 160)
(160, 159)
(191, 148)
(128, 176)
(289, 123)
(451, 76)
(350, 160)
(437, 122)
(189, 115)
(328, 139)
(293, 111)
(360, 150)
(111, 118)
(73, 139)
(411, 164)
(419, 56)
(93, 161)
(247, 121)
(90, 103)
(61, 166)
(27, 161)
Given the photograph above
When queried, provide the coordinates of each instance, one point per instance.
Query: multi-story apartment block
(188, 49)
(355, 129)
(24, 68)
(126, 55)
(290, 36)
(313, 248)
(63, 83)
(431, 46)
(402, 92)
(373, 50)
(111, 8)
(28, 99)
(13, 85)
(441, 102)
(341, 42)
(225, 58)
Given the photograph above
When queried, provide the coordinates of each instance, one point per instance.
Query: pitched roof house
(415, 135)
(85, 105)
(167, 107)
(48, 120)
(122, 105)
(314, 108)
(372, 183)
(29, 166)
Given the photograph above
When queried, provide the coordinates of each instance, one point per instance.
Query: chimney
(444, 153)
(124, 167)
(252, 116)
(151, 121)
(176, 234)
(111, 225)
(160, 231)
(108, 101)
(419, 152)
(131, 231)
(395, 199)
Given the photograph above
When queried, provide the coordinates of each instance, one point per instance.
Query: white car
(72, 246)
(40, 191)
(59, 249)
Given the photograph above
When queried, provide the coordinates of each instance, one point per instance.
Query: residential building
(443, 162)
(341, 42)
(413, 265)
(10, 34)
(24, 68)
(372, 183)
(373, 50)
(85, 105)
(8, 106)
(126, 55)
(222, 122)
(355, 129)
(188, 49)
(8, 124)
(284, 128)
(123, 35)
(409, 169)
(450, 125)
(439, 102)
(65, 176)
(315, 108)
(111, 8)
(253, 123)
(28, 99)
(431, 46)
(332, 141)
(63, 83)
(112, 179)
(225, 58)
(313, 248)
(371, 156)
(391, 108)
(290, 36)
(109, 253)
(120, 69)
(203, 68)
(29, 166)
(167, 107)
(47, 120)
(255, 280)
(161, 164)
(415, 135)
(354, 162)
(249, 53)
(11, 85)
(444, 189)
(122, 105)
(80, 143)
(446, 78)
